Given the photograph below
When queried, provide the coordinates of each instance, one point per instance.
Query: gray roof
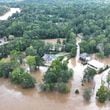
(84, 55)
(49, 57)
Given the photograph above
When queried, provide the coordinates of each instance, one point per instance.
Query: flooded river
(15, 98)
(10, 13)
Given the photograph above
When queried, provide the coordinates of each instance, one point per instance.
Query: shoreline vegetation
(41, 29)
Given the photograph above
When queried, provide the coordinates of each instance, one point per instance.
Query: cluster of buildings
(94, 64)
(84, 58)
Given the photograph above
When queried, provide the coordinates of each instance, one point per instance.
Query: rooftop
(49, 57)
(84, 55)
(96, 64)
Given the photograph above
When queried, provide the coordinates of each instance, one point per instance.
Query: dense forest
(58, 20)
(3, 9)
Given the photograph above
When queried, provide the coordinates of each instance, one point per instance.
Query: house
(84, 57)
(48, 58)
(95, 65)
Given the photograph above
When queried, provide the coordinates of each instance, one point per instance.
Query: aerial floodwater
(9, 13)
(13, 97)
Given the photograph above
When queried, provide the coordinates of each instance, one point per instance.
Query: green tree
(16, 75)
(30, 51)
(102, 94)
(31, 61)
(19, 76)
(63, 88)
(88, 74)
(39, 61)
(73, 52)
(107, 49)
(27, 81)
(15, 55)
(6, 67)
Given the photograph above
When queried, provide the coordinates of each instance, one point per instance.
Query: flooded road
(15, 98)
(10, 13)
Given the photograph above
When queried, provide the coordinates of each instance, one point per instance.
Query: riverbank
(10, 13)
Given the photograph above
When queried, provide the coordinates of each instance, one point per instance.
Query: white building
(96, 65)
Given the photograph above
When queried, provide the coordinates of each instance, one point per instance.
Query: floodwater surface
(13, 97)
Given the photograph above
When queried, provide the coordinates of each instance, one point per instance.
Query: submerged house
(85, 57)
(95, 65)
(48, 58)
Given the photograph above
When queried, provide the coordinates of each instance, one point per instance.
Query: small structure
(96, 65)
(48, 58)
(85, 57)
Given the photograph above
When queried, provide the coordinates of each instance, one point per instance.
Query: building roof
(49, 57)
(85, 56)
(96, 64)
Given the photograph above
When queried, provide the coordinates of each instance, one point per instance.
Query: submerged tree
(6, 66)
(31, 61)
(87, 94)
(88, 74)
(102, 94)
(19, 76)
(57, 75)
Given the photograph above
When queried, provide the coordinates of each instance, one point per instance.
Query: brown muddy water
(13, 97)
(106, 61)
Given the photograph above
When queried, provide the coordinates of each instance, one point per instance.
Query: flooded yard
(14, 97)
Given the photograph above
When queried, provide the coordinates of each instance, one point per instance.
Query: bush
(47, 87)
(88, 74)
(58, 72)
(16, 75)
(102, 94)
(5, 68)
(63, 88)
(27, 81)
(73, 52)
(19, 76)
